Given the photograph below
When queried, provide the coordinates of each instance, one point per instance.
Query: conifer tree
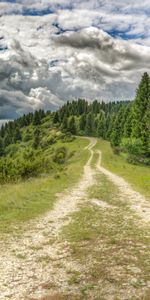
(89, 124)
(17, 135)
(72, 125)
(101, 129)
(7, 140)
(117, 131)
(2, 131)
(1, 147)
(82, 122)
(56, 117)
(140, 107)
(64, 125)
(36, 118)
(36, 139)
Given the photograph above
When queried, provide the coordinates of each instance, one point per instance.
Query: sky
(54, 51)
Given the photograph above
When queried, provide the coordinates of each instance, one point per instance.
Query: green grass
(137, 175)
(26, 200)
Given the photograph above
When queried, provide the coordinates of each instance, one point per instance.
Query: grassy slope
(23, 201)
(137, 175)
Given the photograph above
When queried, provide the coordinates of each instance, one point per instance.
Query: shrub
(28, 169)
(132, 145)
(27, 137)
(48, 141)
(60, 155)
(12, 149)
(116, 150)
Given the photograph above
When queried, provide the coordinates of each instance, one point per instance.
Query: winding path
(39, 258)
(30, 262)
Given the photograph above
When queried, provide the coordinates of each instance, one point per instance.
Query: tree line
(126, 124)
(10, 133)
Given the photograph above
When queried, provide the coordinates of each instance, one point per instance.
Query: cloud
(24, 84)
(57, 51)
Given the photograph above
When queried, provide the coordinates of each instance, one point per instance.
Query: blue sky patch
(125, 34)
(3, 48)
(35, 12)
(53, 63)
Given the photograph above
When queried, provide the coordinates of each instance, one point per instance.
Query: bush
(138, 160)
(48, 141)
(12, 149)
(29, 169)
(132, 145)
(27, 137)
(60, 155)
(66, 137)
(116, 150)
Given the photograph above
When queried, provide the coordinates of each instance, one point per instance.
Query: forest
(24, 142)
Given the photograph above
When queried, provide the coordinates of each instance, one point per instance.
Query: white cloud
(69, 54)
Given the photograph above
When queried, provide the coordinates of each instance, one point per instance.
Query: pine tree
(146, 132)
(82, 122)
(140, 112)
(140, 106)
(36, 139)
(56, 117)
(128, 125)
(2, 131)
(110, 125)
(72, 125)
(7, 140)
(117, 131)
(17, 135)
(36, 118)
(89, 127)
(101, 128)
(64, 125)
(1, 147)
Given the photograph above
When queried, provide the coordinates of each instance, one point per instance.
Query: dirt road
(39, 260)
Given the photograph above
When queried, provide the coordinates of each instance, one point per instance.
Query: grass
(137, 175)
(110, 246)
(24, 201)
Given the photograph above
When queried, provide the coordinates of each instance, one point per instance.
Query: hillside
(74, 202)
(89, 243)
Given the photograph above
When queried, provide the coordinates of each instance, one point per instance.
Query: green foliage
(17, 135)
(7, 140)
(47, 141)
(60, 155)
(101, 126)
(89, 126)
(37, 117)
(140, 113)
(56, 117)
(12, 150)
(36, 140)
(1, 147)
(64, 125)
(82, 122)
(72, 125)
(132, 145)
